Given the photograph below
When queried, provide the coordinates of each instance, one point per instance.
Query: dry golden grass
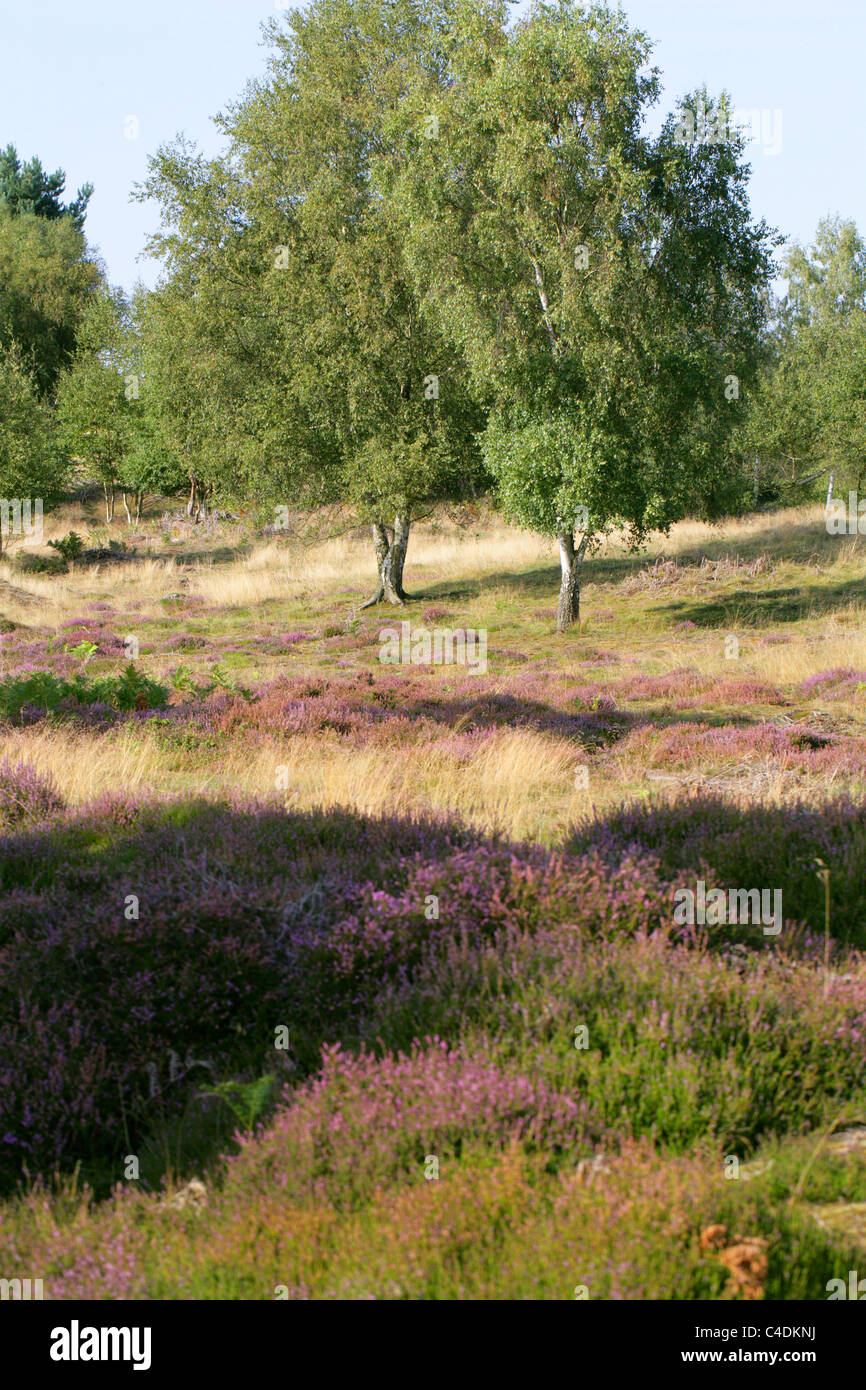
(770, 533)
(519, 782)
(54, 599)
(279, 571)
(437, 551)
(271, 571)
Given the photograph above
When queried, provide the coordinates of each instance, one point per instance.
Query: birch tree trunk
(390, 546)
(571, 559)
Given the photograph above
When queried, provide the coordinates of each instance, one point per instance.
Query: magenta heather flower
(365, 1120)
(26, 794)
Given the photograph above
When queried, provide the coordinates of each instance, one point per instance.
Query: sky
(96, 86)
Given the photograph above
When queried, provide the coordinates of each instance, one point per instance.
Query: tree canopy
(808, 416)
(47, 277)
(440, 248)
(26, 187)
(607, 290)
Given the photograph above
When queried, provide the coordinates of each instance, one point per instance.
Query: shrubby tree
(606, 289)
(109, 408)
(93, 399)
(148, 468)
(47, 279)
(31, 466)
(191, 390)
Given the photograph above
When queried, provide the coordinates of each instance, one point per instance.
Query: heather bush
(680, 1043)
(248, 918)
(703, 746)
(737, 843)
(364, 1122)
(493, 1225)
(842, 683)
(26, 795)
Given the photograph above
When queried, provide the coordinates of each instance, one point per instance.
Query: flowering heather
(746, 844)
(710, 746)
(593, 657)
(842, 683)
(34, 657)
(366, 1121)
(683, 681)
(748, 692)
(108, 643)
(380, 709)
(683, 1043)
(26, 794)
(249, 916)
(494, 1225)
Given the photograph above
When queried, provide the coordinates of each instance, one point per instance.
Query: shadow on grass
(247, 917)
(767, 607)
(800, 543)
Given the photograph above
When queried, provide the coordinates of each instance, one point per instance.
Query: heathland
(323, 977)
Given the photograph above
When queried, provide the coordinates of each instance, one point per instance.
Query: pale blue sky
(75, 71)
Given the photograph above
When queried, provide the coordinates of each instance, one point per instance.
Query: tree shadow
(767, 607)
(799, 542)
(215, 555)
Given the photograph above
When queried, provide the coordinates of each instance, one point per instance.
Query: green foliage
(28, 188)
(603, 286)
(27, 563)
(46, 691)
(93, 407)
(109, 409)
(183, 680)
(295, 361)
(46, 280)
(809, 411)
(70, 547)
(148, 464)
(186, 423)
(247, 1102)
(30, 462)
(85, 650)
